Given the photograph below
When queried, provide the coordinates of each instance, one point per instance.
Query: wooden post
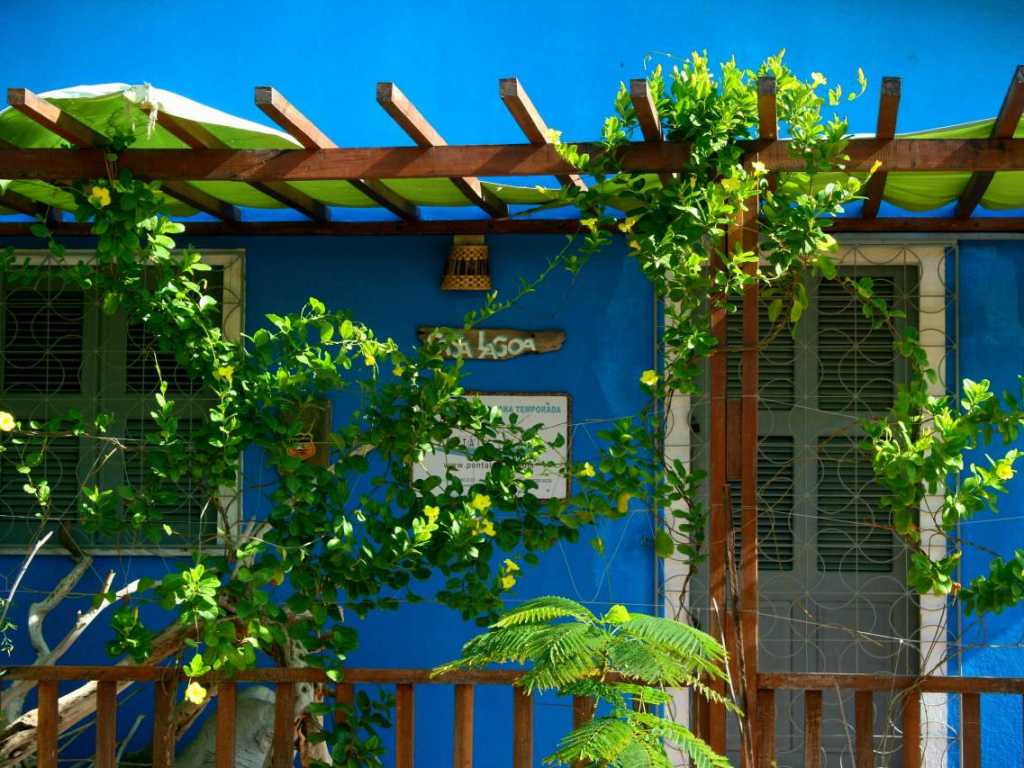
(765, 750)
(226, 724)
(404, 725)
(970, 726)
(583, 708)
(106, 724)
(344, 693)
(46, 725)
(864, 729)
(464, 726)
(283, 749)
(912, 729)
(522, 728)
(164, 691)
(748, 480)
(719, 522)
(812, 729)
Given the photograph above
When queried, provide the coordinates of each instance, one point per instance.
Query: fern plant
(624, 661)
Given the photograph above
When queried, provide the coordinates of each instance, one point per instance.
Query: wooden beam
(888, 107)
(73, 130)
(303, 130)
(1004, 127)
(403, 112)
(510, 160)
(197, 136)
(53, 118)
(517, 226)
(530, 122)
(647, 115)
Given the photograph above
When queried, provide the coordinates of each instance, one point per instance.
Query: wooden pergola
(733, 423)
(206, 158)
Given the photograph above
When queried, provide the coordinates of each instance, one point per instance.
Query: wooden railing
(814, 687)
(864, 689)
(108, 679)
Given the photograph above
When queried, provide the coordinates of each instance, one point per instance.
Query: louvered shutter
(43, 338)
(775, 368)
(774, 504)
(856, 364)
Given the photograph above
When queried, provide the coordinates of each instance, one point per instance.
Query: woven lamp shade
(467, 267)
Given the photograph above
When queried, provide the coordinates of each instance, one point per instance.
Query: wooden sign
(552, 410)
(495, 343)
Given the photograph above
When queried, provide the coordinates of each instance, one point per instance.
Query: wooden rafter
(303, 130)
(530, 122)
(888, 107)
(403, 112)
(1004, 127)
(198, 136)
(647, 115)
(71, 129)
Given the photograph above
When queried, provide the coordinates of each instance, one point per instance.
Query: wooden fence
(814, 687)
(166, 680)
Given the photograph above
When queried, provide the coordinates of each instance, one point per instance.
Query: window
(59, 352)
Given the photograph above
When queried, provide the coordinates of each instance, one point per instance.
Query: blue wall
(991, 320)
(955, 59)
(393, 285)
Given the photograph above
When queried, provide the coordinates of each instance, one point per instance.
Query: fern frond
(643, 754)
(701, 755)
(675, 636)
(544, 609)
(603, 738)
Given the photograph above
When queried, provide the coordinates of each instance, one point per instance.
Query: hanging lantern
(467, 267)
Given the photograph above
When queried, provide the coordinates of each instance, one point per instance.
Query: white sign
(551, 410)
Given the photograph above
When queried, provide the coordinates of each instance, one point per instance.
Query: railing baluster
(344, 693)
(765, 728)
(464, 726)
(404, 719)
(284, 726)
(912, 729)
(522, 728)
(106, 724)
(864, 715)
(46, 724)
(970, 725)
(582, 712)
(227, 695)
(812, 729)
(164, 691)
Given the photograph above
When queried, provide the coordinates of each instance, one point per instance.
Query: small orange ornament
(305, 449)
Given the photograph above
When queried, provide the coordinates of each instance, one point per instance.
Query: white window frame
(930, 257)
(232, 262)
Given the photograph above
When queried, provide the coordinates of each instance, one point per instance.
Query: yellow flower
(511, 566)
(1004, 471)
(587, 470)
(874, 167)
(481, 502)
(100, 196)
(369, 360)
(759, 167)
(487, 528)
(398, 370)
(624, 502)
(818, 79)
(617, 614)
(195, 693)
(225, 373)
(431, 512)
(649, 378)
(508, 581)
(7, 423)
